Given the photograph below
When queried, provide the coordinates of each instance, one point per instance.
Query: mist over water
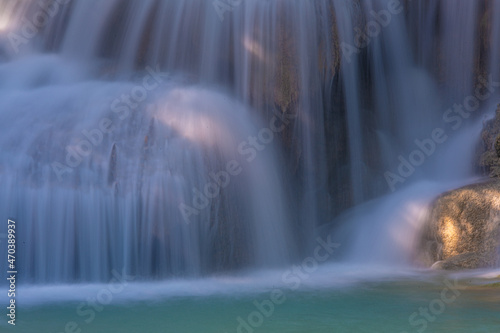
(165, 140)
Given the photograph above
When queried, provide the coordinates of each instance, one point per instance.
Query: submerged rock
(462, 261)
(463, 229)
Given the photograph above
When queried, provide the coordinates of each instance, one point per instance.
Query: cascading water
(111, 189)
(109, 164)
(494, 67)
(406, 99)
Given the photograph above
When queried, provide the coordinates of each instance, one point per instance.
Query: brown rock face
(489, 161)
(463, 230)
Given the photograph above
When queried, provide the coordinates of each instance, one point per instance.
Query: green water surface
(367, 307)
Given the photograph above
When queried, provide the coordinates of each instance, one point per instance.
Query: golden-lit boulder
(463, 229)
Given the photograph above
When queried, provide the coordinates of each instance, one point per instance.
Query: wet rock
(462, 261)
(489, 160)
(463, 229)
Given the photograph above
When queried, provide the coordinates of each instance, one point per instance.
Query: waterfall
(495, 47)
(111, 189)
(418, 84)
(186, 138)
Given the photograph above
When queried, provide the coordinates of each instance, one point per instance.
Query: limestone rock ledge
(463, 229)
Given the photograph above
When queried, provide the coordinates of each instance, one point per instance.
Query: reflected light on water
(7, 14)
(408, 223)
(4, 23)
(254, 48)
(197, 117)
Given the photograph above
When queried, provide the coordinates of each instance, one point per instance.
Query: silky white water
(166, 140)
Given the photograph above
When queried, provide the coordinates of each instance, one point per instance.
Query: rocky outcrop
(489, 161)
(463, 229)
